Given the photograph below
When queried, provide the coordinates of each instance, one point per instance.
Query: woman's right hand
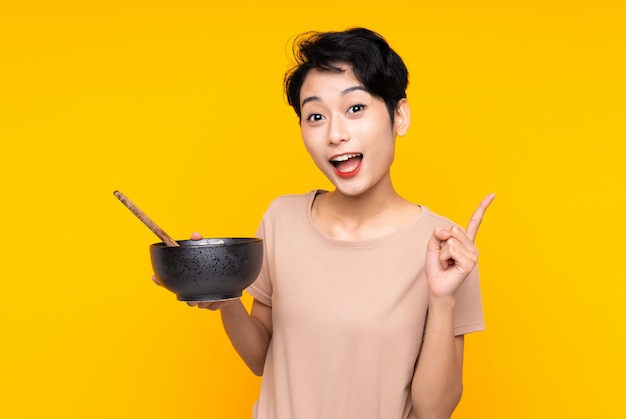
(196, 236)
(213, 305)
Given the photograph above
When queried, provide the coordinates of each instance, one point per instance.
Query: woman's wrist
(443, 303)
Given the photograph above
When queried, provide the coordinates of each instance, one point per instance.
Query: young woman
(364, 297)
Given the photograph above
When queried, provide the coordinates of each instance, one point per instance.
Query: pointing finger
(477, 217)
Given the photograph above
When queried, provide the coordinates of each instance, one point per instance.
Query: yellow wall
(179, 105)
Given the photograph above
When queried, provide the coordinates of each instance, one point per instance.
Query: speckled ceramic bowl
(207, 269)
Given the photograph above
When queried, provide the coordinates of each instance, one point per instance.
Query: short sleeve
(468, 312)
(261, 289)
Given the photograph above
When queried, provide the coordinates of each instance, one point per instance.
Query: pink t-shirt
(348, 316)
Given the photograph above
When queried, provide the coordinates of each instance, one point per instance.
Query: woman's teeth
(344, 157)
(346, 162)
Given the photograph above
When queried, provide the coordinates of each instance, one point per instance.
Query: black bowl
(208, 269)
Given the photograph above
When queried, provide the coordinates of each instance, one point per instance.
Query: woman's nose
(338, 131)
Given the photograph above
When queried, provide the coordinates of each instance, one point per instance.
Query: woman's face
(348, 132)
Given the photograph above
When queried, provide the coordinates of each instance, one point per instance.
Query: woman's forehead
(329, 83)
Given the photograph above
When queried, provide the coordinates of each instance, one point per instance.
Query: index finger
(477, 217)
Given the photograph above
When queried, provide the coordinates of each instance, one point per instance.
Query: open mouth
(347, 164)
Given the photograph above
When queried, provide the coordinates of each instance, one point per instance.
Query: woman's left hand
(451, 254)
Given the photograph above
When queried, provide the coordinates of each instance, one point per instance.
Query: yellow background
(179, 105)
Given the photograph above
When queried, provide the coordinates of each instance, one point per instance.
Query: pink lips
(347, 165)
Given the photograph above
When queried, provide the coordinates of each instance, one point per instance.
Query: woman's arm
(437, 382)
(438, 378)
(249, 334)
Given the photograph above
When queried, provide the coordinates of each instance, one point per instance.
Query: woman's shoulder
(290, 202)
(434, 218)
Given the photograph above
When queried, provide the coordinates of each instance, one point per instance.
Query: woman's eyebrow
(309, 99)
(343, 93)
(352, 89)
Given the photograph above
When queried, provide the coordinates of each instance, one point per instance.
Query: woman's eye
(315, 117)
(356, 108)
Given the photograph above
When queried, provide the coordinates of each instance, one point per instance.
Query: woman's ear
(402, 117)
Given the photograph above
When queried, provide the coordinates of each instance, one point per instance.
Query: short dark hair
(380, 69)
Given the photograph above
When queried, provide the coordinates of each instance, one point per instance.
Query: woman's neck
(366, 216)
